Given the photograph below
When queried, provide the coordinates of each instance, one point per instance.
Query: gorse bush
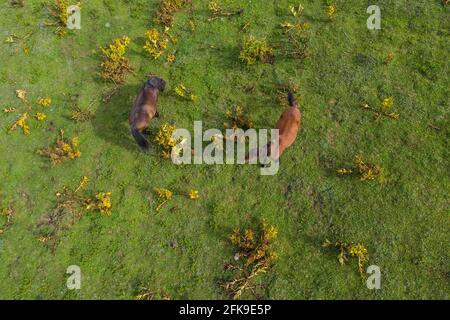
(238, 119)
(383, 109)
(296, 35)
(101, 202)
(164, 195)
(148, 294)
(58, 10)
(155, 43)
(256, 50)
(254, 256)
(69, 209)
(164, 139)
(65, 149)
(115, 65)
(217, 11)
(22, 123)
(183, 92)
(167, 9)
(350, 249)
(366, 171)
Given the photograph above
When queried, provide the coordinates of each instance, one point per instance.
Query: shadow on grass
(111, 118)
(110, 121)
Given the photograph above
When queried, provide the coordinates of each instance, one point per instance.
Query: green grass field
(182, 250)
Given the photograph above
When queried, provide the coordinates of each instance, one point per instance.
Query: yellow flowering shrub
(68, 209)
(81, 115)
(214, 7)
(193, 194)
(171, 58)
(167, 9)
(183, 92)
(63, 150)
(115, 66)
(331, 10)
(255, 247)
(164, 195)
(83, 183)
(217, 11)
(40, 116)
(351, 249)
(101, 202)
(58, 11)
(6, 215)
(155, 43)
(45, 102)
(164, 139)
(21, 122)
(148, 294)
(238, 119)
(256, 50)
(296, 35)
(386, 104)
(22, 95)
(366, 171)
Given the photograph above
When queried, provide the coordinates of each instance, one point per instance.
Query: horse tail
(291, 99)
(140, 139)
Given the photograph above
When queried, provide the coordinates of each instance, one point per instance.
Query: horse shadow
(110, 121)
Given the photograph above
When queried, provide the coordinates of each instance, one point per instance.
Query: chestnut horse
(144, 109)
(288, 125)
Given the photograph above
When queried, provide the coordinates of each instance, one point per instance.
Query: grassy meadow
(180, 251)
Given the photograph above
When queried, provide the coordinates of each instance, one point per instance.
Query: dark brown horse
(144, 109)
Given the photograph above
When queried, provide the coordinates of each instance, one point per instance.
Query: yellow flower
(331, 9)
(183, 92)
(193, 195)
(22, 95)
(214, 7)
(155, 44)
(296, 12)
(388, 102)
(40, 116)
(45, 102)
(164, 139)
(115, 66)
(9, 110)
(171, 58)
(22, 123)
(102, 203)
(344, 171)
(254, 50)
(43, 239)
(9, 39)
(84, 181)
(164, 195)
